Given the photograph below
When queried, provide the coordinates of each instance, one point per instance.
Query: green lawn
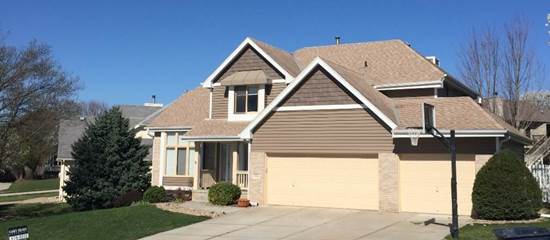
(26, 196)
(33, 185)
(485, 231)
(56, 221)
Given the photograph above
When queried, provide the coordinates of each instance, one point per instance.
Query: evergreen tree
(108, 162)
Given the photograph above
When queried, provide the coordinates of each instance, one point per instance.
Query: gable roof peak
(281, 60)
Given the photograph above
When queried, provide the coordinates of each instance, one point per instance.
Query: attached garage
(425, 183)
(323, 181)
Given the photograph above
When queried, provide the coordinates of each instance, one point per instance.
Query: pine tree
(108, 162)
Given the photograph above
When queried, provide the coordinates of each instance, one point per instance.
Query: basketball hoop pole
(451, 145)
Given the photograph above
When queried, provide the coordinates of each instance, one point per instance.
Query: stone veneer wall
(388, 182)
(155, 159)
(257, 177)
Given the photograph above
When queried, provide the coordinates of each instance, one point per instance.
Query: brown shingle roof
(451, 113)
(282, 57)
(380, 100)
(186, 111)
(388, 62)
(216, 128)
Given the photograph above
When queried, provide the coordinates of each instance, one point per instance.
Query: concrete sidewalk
(27, 193)
(311, 223)
(4, 186)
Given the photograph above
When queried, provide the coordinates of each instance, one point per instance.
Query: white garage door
(323, 182)
(425, 183)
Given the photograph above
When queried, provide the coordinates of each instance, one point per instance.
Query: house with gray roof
(70, 130)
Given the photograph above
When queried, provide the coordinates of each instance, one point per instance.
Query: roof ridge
(269, 45)
(349, 44)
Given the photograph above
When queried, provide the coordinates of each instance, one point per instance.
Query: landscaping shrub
(224, 193)
(128, 198)
(108, 162)
(505, 189)
(155, 194)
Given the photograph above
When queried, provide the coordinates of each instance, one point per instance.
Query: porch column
(197, 158)
(235, 158)
(162, 168)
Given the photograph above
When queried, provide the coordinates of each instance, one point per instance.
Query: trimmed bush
(155, 194)
(128, 198)
(505, 189)
(224, 193)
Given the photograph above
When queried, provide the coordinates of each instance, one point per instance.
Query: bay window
(179, 156)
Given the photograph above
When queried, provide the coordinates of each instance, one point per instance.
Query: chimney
(433, 59)
(153, 102)
(337, 39)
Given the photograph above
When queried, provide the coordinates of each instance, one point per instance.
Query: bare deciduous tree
(480, 62)
(93, 108)
(521, 73)
(504, 64)
(32, 86)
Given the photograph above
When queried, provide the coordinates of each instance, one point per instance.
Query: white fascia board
(213, 138)
(168, 129)
(410, 85)
(401, 133)
(208, 82)
(246, 133)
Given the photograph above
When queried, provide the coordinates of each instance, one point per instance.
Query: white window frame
(185, 145)
(246, 116)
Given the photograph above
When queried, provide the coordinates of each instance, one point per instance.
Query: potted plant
(243, 202)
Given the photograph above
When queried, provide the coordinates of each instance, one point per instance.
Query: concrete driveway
(310, 223)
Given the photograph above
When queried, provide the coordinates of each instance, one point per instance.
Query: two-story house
(327, 126)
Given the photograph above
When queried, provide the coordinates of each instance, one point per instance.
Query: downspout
(507, 138)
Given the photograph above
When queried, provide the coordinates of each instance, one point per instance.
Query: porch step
(201, 195)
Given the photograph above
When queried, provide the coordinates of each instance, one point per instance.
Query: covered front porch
(200, 163)
(223, 162)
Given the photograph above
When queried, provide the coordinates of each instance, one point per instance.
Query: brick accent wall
(256, 185)
(155, 157)
(388, 182)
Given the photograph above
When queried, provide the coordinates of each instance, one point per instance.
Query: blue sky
(125, 51)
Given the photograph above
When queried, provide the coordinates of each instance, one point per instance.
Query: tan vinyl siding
(219, 102)
(178, 181)
(249, 60)
(319, 89)
(273, 91)
(411, 93)
(324, 131)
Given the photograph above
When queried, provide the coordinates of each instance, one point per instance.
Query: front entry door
(224, 162)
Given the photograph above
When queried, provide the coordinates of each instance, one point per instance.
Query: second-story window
(246, 99)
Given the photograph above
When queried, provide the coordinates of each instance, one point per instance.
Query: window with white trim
(246, 99)
(179, 157)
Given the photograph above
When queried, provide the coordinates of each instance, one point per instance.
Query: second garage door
(425, 183)
(323, 181)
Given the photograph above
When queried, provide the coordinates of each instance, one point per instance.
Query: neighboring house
(70, 130)
(327, 127)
